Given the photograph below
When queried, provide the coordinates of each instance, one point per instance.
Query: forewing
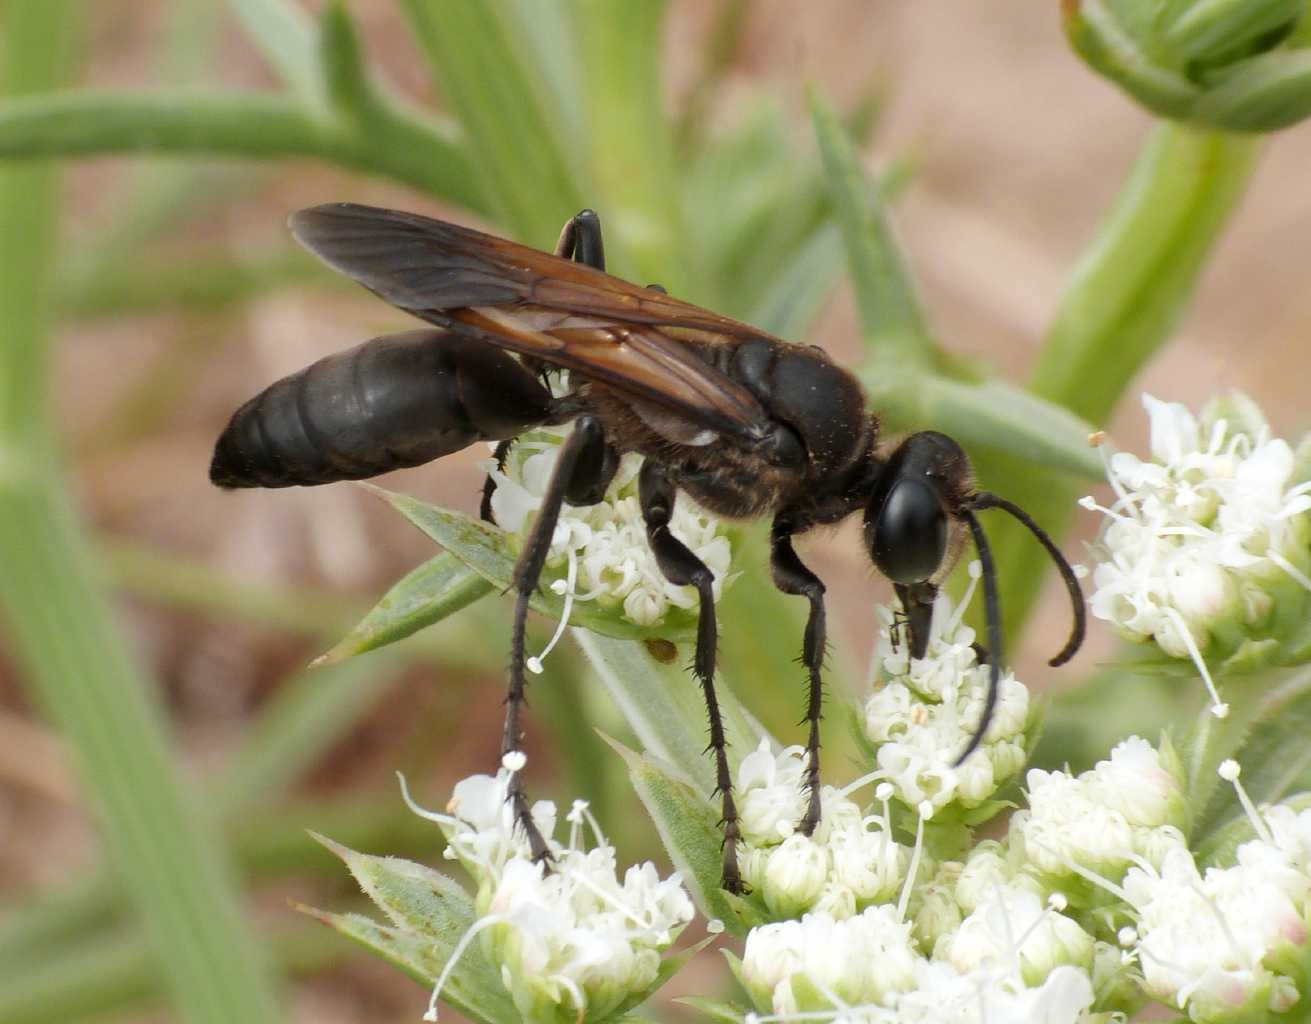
(537, 304)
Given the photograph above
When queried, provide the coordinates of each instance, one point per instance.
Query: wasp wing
(636, 340)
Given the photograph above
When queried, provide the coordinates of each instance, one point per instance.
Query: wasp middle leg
(682, 568)
(792, 577)
(583, 470)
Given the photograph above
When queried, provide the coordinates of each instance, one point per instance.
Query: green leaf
(1269, 720)
(421, 960)
(631, 152)
(439, 587)
(485, 549)
(427, 906)
(499, 98)
(715, 1010)
(689, 829)
(890, 312)
(665, 708)
(1218, 849)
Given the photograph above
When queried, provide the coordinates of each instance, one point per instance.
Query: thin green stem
(396, 145)
(1126, 295)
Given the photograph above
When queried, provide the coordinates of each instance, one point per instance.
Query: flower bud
(1236, 66)
(795, 874)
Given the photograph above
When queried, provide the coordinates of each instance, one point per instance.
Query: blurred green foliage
(548, 105)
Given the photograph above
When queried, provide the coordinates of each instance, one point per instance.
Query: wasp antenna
(992, 607)
(986, 500)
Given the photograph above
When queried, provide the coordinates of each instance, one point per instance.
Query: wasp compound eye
(907, 533)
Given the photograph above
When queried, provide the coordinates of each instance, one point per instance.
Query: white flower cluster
(1229, 943)
(604, 546)
(924, 711)
(867, 970)
(571, 941)
(1201, 540)
(1128, 807)
(850, 862)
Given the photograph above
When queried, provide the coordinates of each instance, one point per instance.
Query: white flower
(1011, 923)
(1195, 538)
(795, 873)
(993, 996)
(1126, 807)
(1139, 783)
(1207, 943)
(864, 959)
(925, 710)
(605, 544)
(574, 938)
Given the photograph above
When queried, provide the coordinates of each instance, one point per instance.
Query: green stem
(1126, 295)
(395, 145)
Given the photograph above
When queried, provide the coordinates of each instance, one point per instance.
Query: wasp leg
(683, 568)
(489, 485)
(580, 240)
(792, 577)
(582, 458)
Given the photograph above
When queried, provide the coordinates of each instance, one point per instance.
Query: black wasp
(745, 423)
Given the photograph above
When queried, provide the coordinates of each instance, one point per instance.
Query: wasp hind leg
(585, 466)
(792, 577)
(682, 568)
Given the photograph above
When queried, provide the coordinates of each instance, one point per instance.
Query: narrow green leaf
(283, 33)
(498, 97)
(428, 906)
(799, 291)
(715, 1010)
(689, 829)
(629, 138)
(484, 548)
(1219, 847)
(247, 126)
(665, 708)
(77, 666)
(345, 79)
(441, 586)
(894, 325)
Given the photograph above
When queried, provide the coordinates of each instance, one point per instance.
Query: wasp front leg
(792, 577)
(682, 568)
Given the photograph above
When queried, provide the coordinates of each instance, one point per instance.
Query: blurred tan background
(1019, 152)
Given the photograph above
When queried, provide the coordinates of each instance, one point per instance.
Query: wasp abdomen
(395, 401)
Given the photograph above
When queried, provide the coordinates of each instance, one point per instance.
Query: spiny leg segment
(792, 577)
